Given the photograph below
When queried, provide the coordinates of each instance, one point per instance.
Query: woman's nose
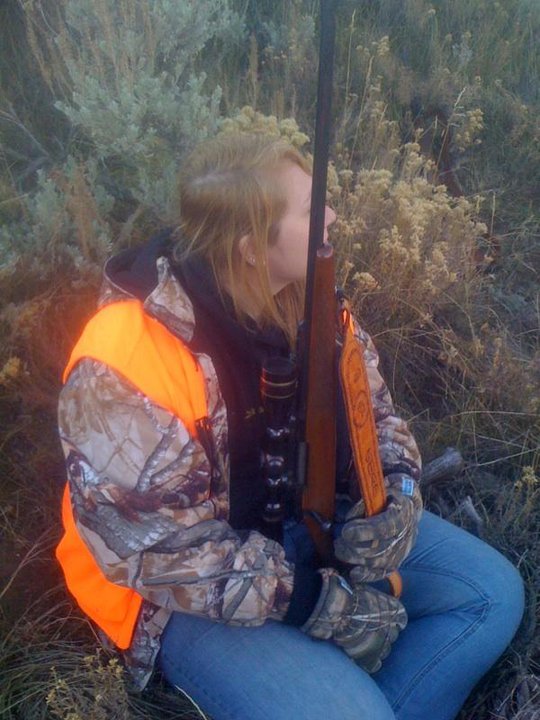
(329, 216)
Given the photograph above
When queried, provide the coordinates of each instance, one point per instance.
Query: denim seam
(454, 644)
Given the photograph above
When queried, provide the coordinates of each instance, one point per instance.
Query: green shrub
(131, 80)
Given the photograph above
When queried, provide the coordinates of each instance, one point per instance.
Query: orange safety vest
(144, 352)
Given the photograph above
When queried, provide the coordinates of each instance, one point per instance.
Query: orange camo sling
(156, 362)
(362, 427)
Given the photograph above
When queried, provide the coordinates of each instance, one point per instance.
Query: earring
(251, 259)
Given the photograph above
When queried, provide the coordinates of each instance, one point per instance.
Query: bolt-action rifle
(326, 320)
(298, 457)
(309, 424)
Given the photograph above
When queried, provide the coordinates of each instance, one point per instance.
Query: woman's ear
(246, 249)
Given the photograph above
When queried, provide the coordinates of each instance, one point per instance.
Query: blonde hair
(229, 189)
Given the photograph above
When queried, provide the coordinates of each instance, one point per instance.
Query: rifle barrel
(323, 123)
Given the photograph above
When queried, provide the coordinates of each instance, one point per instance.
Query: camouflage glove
(361, 620)
(377, 545)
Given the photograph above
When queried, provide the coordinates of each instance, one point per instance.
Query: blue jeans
(464, 602)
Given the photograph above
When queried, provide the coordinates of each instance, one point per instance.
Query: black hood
(134, 270)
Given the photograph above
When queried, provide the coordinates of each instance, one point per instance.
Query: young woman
(165, 546)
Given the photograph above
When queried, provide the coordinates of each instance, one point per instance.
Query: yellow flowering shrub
(404, 242)
(250, 120)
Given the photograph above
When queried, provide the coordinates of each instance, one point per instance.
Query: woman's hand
(359, 619)
(377, 545)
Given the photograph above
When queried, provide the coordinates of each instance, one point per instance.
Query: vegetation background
(436, 180)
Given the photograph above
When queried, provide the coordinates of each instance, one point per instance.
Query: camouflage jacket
(148, 505)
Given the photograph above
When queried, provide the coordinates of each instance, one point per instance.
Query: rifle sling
(361, 421)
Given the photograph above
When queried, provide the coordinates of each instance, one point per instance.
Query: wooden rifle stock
(320, 423)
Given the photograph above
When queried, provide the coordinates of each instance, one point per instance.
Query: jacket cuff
(306, 590)
(403, 467)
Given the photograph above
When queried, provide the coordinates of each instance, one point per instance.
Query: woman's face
(286, 257)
